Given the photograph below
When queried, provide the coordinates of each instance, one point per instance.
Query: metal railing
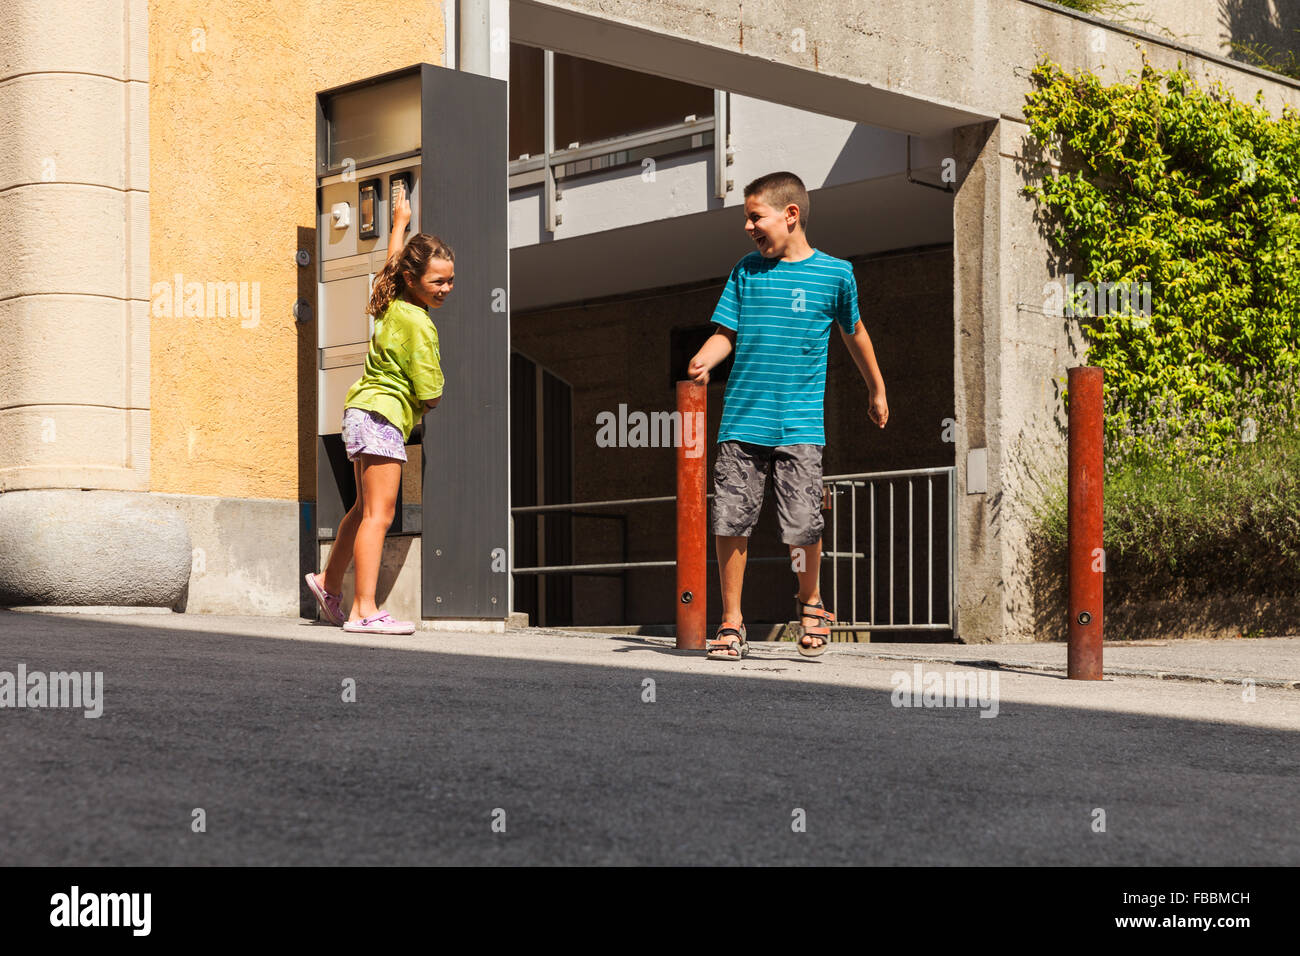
(942, 546)
(554, 165)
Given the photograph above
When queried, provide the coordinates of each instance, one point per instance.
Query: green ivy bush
(1197, 194)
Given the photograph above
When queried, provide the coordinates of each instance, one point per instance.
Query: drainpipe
(474, 41)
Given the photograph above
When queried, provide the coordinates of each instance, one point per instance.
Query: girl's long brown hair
(414, 258)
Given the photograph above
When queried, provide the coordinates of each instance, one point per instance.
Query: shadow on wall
(1273, 36)
(306, 375)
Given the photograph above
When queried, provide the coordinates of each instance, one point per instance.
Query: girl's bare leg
(341, 554)
(380, 480)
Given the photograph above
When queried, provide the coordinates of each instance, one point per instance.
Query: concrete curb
(1109, 671)
(92, 609)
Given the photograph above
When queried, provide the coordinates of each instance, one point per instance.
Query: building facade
(159, 353)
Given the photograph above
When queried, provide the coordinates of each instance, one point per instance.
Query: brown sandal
(729, 636)
(821, 631)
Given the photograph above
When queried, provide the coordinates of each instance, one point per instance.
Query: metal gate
(897, 559)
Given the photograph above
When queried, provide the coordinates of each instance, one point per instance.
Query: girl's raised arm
(401, 216)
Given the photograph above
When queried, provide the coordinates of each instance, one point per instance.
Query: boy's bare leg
(809, 558)
(732, 554)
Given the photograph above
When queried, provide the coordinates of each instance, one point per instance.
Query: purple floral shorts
(369, 433)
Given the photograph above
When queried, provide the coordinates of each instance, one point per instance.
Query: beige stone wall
(232, 145)
(73, 288)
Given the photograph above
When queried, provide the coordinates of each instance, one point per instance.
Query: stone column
(976, 312)
(1011, 356)
(77, 526)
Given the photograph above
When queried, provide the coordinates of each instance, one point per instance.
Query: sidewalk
(1270, 662)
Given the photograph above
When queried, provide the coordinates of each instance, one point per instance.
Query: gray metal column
(465, 543)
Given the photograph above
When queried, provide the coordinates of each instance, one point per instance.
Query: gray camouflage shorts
(739, 474)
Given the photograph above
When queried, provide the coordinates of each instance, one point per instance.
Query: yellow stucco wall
(232, 141)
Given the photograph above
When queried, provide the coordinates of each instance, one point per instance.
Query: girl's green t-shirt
(402, 367)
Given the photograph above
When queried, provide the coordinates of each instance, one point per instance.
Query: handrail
(613, 502)
(828, 479)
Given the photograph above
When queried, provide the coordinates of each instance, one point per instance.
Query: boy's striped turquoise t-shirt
(782, 313)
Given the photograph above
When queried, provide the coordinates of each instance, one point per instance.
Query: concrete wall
(245, 554)
(1010, 364)
(912, 65)
(1214, 25)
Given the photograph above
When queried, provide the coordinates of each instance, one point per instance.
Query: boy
(776, 311)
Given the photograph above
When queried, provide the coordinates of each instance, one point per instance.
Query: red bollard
(1087, 559)
(692, 538)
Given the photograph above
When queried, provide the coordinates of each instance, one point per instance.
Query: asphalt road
(551, 735)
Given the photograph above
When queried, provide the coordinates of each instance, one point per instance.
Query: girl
(402, 380)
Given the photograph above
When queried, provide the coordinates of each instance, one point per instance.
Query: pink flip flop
(381, 623)
(331, 605)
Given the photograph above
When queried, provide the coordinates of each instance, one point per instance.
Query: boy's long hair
(414, 258)
(778, 190)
